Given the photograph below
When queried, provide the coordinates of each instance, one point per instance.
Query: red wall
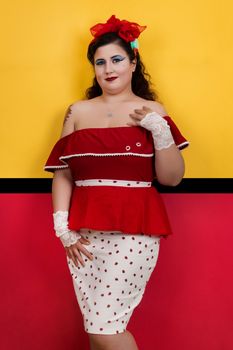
(188, 302)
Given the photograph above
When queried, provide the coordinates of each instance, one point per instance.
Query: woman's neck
(118, 98)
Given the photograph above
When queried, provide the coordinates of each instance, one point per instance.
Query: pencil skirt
(111, 286)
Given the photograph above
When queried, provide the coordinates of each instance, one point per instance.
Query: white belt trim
(107, 182)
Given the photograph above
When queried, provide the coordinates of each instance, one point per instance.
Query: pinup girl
(109, 217)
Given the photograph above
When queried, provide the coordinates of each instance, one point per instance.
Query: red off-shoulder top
(117, 153)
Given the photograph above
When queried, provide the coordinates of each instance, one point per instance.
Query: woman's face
(113, 69)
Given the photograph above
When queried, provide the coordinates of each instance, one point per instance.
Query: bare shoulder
(81, 106)
(157, 107)
(72, 115)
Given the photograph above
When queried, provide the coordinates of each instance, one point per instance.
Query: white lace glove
(159, 128)
(67, 237)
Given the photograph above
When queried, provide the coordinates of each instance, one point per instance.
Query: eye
(117, 59)
(99, 62)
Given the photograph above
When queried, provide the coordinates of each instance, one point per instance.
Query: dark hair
(141, 80)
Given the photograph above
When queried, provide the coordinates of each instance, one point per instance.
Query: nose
(109, 67)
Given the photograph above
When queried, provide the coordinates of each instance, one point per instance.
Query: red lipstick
(110, 79)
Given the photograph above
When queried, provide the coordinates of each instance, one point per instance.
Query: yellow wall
(187, 48)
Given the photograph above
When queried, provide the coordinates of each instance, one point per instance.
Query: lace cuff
(62, 231)
(69, 238)
(160, 130)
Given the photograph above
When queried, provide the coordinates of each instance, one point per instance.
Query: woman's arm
(62, 189)
(62, 180)
(169, 166)
(169, 163)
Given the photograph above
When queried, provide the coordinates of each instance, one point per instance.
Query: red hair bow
(128, 31)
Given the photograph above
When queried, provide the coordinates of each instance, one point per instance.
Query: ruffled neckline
(102, 129)
(107, 128)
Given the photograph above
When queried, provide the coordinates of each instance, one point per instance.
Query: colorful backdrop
(187, 49)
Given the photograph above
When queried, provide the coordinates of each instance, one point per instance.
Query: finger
(131, 124)
(135, 116)
(80, 258)
(137, 120)
(68, 253)
(147, 109)
(85, 241)
(85, 252)
(77, 255)
(74, 259)
(139, 111)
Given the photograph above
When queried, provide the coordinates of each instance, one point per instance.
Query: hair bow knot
(128, 31)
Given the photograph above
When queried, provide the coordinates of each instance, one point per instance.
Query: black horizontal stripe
(187, 185)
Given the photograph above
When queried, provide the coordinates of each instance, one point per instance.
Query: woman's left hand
(138, 115)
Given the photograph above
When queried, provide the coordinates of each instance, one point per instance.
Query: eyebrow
(99, 59)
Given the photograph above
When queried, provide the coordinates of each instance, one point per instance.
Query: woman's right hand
(75, 250)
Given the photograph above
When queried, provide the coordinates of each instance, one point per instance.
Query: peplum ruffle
(129, 210)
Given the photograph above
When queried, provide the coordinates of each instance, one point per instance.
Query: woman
(106, 213)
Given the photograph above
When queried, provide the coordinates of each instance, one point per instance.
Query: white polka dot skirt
(111, 286)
